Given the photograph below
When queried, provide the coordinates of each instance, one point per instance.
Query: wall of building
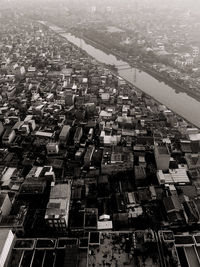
(6, 250)
(6, 206)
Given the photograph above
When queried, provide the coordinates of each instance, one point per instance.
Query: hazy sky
(188, 4)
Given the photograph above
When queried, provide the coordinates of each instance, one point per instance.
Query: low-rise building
(117, 159)
(8, 136)
(52, 148)
(176, 176)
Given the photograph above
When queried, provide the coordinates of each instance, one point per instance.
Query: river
(181, 103)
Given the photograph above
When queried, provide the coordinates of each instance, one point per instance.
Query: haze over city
(99, 133)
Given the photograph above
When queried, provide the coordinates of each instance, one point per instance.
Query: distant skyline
(179, 3)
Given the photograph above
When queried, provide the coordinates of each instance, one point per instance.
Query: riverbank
(173, 84)
(134, 87)
(157, 75)
(90, 42)
(141, 66)
(181, 104)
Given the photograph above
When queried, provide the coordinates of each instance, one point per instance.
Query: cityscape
(99, 133)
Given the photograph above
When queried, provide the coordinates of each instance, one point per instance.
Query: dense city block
(93, 171)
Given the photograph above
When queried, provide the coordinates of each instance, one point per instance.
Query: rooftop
(116, 249)
(60, 191)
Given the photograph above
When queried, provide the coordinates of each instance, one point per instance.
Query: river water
(179, 102)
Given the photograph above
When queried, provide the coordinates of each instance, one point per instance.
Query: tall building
(64, 134)
(6, 243)
(162, 156)
(77, 136)
(57, 212)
